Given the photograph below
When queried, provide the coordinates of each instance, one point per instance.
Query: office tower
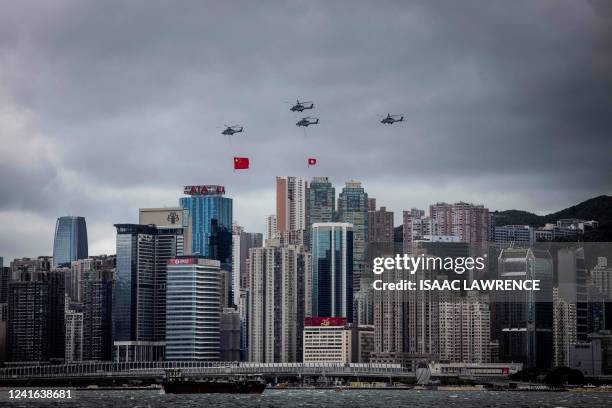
(169, 217)
(139, 302)
(320, 203)
(242, 242)
(70, 242)
(467, 221)
(465, 328)
(564, 328)
(271, 227)
(524, 319)
(332, 270)
(572, 283)
(74, 332)
(290, 203)
(278, 292)
(380, 225)
(211, 218)
(327, 340)
(390, 315)
(193, 309)
(600, 300)
(98, 311)
(230, 335)
(517, 235)
(36, 329)
(353, 209)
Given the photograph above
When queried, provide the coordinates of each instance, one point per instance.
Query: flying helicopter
(301, 106)
(391, 119)
(307, 121)
(230, 130)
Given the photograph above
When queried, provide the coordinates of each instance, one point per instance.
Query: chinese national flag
(241, 163)
(312, 161)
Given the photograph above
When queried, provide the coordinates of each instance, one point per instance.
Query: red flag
(312, 161)
(241, 163)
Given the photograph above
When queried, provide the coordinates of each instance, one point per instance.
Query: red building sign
(325, 321)
(204, 190)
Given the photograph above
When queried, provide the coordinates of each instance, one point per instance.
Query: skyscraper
(290, 204)
(98, 312)
(70, 242)
(139, 301)
(279, 291)
(242, 242)
(332, 269)
(271, 228)
(320, 203)
(36, 329)
(524, 319)
(211, 218)
(73, 317)
(380, 225)
(353, 209)
(193, 309)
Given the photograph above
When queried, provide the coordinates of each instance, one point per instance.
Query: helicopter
(391, 119)
(230, 130)
(308, 121)
(301, 106)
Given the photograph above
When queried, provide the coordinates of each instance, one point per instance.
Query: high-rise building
(467, 221)
(564, 329)
(320, 203)
(70, 242)
(524, 319)
(211, 218)
(193, 309)
(353, 209)
(36, 329)
(230, 335)
(601, 277)
(278, 294)
(242, 242)
(139, 301)
(380, 225)
(169, 217)
(74, 332)
(416, 226)
(327, 340)
(290, 203)
(332, 269)
(98, 311)
(465, 334)
(572, 284)
(271, 228)
(40, 264)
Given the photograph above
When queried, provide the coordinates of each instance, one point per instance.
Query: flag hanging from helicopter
(241, 163)
(312, 161)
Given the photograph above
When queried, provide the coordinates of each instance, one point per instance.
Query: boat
(176, 383)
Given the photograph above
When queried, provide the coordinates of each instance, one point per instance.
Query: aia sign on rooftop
(204, 190)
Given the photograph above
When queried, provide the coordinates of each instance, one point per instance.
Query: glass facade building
(70, 242)
(211, 217)
(193, 309)
(139, 295)
(332, 270)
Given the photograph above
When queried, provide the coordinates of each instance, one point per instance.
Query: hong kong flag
(241, 163)
(312, 161)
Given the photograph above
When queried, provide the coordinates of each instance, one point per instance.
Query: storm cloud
(109, 106)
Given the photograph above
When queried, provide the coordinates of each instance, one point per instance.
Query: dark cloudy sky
(109, 106)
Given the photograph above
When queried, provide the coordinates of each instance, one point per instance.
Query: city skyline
(497, 101)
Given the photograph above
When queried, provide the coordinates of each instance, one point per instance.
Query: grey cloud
(133, 94)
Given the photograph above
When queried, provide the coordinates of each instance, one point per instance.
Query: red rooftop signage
(204, 190)
(325, 321)
(183, 261)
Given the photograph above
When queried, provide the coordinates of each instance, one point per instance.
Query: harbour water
(322, 398)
